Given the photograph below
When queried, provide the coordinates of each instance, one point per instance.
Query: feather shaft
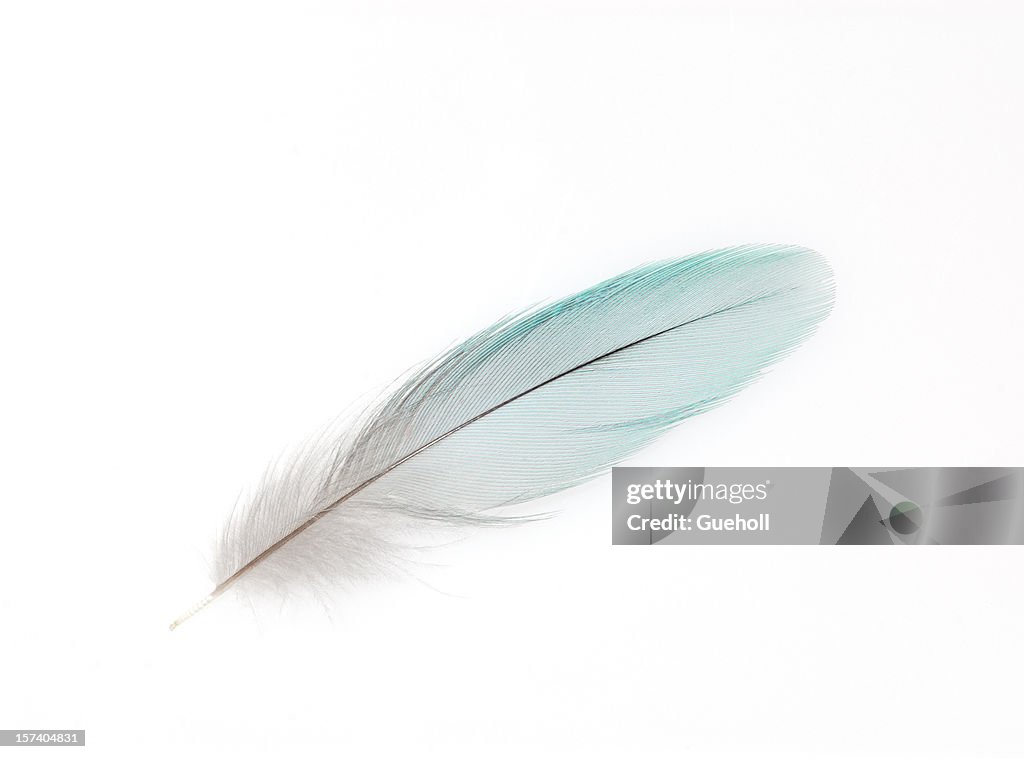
(738, 292)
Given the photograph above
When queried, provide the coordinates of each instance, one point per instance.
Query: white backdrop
(222, 223)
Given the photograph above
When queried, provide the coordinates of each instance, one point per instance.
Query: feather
(536, 403)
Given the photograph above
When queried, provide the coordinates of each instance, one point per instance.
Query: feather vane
(534, 404)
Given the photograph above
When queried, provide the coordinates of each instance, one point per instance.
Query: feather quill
(534, 404)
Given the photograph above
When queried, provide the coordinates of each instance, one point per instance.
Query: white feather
(527, 407)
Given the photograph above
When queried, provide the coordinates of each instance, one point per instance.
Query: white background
(223, 223)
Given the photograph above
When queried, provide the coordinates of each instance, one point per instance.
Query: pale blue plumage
(728, 314)
(532, 405)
